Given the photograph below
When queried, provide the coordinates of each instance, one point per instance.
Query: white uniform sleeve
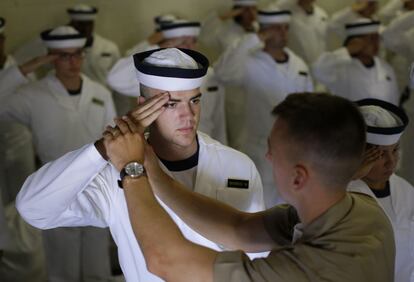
(325, 69)
(141, 47)
(11, 79)
(122, 77)
(395, 35)
(230, 67)
(70, 191)
(210, 30)
(338, 20)
(390, 10)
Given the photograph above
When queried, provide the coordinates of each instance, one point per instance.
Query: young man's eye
(171, 105)
(196, 101)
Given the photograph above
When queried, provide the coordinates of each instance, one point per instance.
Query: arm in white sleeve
(141, 47)
(11, 79)
(338, 20)
(395, 34)
(70, 191)
(122, 77)
(230, 67)
(325, 69)
(390, 10)
(210, 30)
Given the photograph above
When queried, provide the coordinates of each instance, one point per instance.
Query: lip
(188, 129)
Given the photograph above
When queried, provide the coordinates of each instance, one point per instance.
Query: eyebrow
(192, 98)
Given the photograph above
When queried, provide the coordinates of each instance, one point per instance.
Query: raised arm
(395, 35)
(70, 191)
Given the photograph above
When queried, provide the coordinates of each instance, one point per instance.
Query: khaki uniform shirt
(351, 241)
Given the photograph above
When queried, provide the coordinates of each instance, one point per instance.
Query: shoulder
(296, 60)
(321, 13)
(402, 184)
(96, 85)
(38, 85)
(105, 42)
(223, 152)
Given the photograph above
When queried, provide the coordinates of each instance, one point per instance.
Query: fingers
(151, 104)
(122, 125)
(147, 112)
(132, 126)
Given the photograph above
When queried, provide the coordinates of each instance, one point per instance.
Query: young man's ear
(300, 177)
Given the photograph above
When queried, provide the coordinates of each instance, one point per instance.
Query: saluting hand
(148, 110)
(36, 63)
(370, 157)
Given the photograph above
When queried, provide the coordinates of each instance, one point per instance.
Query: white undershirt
(186, 177)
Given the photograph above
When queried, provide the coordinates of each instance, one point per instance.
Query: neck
(70, 83)
(367, 61)
(375, 185)
(313, 207)
(276, 53)
(169, 151)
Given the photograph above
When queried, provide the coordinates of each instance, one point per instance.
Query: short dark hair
(327, 130)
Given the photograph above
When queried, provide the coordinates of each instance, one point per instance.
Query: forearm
(326, 67)
(167, 253)
(231, 65)
(214, 220)
(394, 35)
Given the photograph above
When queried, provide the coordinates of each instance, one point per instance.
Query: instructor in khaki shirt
(324, 234)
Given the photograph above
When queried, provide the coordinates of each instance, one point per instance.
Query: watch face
(134, 169)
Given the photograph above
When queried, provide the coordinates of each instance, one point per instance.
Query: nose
(186, 111)
(390, 160)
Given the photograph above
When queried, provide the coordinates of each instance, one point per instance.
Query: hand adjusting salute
(129, 130)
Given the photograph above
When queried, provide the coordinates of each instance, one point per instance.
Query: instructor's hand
(124, 144)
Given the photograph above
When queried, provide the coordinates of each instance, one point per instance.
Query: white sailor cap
(385, 121)
(361, 27)
(2, 25)
(164, 19)
(244, 3)
(180, 28)
(273, 16)
(82, 12)
(171, 69)
(63, 37)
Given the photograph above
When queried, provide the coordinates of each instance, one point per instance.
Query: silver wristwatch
(133, 170)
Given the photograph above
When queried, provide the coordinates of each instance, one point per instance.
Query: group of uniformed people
(232, 159)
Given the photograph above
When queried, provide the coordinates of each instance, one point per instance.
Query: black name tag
(304, 73)
(98, 101)
(212, 88)
(238, 183)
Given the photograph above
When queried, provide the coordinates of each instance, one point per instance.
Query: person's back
(338, 246)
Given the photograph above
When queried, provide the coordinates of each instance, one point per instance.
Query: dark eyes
(196, 101)
(171, 105)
